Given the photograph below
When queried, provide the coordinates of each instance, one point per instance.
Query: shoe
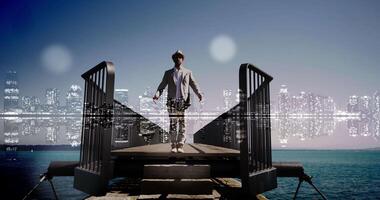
(180, 148)
(174, 148)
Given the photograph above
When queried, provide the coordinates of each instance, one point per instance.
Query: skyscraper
(30, 103)
(353, 104)
(365, 104)
(283, 100)
(11, 92)
(145, 101)
(11, 131)
(376, 102)
(227, 99)
(26, 103)
(74, 99)
(52, 99)
(328, 105)
(121, 95)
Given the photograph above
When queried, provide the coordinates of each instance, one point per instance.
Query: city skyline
(229, 97)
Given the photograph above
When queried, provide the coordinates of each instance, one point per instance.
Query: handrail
(109, 65)
(257, 70)
(95, 151)
(99, 86)
(254, 132)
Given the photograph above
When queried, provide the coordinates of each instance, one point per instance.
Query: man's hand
(155, 98)
(200, 97)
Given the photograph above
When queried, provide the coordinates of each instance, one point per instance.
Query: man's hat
(178, 53)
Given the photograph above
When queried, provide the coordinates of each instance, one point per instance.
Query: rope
(43, 178)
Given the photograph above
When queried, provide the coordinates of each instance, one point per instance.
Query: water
(20, 171)
(339, 174)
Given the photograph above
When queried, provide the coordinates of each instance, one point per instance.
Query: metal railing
(94, 168)
(97, 116)
(107, 125)
(254, 131)
(247, 127)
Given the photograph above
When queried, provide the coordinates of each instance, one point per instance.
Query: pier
(244, 154)
(123, 154)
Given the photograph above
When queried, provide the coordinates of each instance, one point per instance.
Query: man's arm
(194, 86)
(161, 87)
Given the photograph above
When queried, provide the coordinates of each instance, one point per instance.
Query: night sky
(329, 47)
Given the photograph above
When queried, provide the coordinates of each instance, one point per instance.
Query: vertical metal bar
(257, 122)
(269, 130)
(253, 132)
(95, 128)
(94, 124)
(252, 121)
(88, 121)
(97, 133)
(89, 117)
(262, 153)
(244, 168)
(260, 126)
(268, 123)
(100, 125)
(106, 171)
(83, 123)
(249, 119)
(265, 152)
(102, 105)
(265, 126)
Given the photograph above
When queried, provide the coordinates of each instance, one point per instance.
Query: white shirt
(177, 75)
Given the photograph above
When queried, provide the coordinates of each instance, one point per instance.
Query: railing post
(242, 134)
(107, 140)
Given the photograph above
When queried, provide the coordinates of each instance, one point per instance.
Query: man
(178, 80)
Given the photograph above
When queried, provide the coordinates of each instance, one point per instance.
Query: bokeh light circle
(222, 48)
(56, 59)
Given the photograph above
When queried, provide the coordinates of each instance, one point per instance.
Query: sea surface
(339, 174)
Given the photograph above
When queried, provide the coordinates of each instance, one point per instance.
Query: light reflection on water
(287, 132)
(325, 132)
(40, 130)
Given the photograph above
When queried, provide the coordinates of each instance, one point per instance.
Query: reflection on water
(302, 128)
(314, 127)
(41, 130)
(134, 130)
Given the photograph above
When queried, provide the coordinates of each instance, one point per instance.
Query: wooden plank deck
(163, 150)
